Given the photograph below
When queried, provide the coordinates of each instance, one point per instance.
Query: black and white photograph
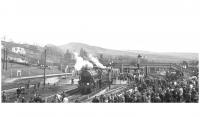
(80, 73)
(108, 52)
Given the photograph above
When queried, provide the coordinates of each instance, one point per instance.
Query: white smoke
(80, 62)
(96, 61)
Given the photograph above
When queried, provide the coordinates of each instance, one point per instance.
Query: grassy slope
(26, 71)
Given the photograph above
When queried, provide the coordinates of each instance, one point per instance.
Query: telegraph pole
(6, 59)
(11, 71)
(45, 54)
(4, 53)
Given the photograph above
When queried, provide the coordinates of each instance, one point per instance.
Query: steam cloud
(96, 61)
(80, 62)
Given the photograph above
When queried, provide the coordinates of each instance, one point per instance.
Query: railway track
(75, 94)
(81, 98)
(69, 92)
(72, 95)
(78, 96)
(108, 92)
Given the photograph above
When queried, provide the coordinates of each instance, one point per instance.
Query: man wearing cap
(4, 97)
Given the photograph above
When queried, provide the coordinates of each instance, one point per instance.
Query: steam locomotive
(93, 79)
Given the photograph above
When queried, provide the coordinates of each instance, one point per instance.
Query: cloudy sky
(151, 25)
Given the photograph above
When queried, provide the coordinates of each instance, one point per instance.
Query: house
(18, 50)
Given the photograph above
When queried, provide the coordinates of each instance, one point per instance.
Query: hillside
(95, 50)
(189, 56)
(151, 56)
(34, 53)
(55, 53)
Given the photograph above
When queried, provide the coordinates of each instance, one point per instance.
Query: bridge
(162, 65)
(153, 67)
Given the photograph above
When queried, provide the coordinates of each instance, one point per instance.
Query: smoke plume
(80, 62)
(96, 61)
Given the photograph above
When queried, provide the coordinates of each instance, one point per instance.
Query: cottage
(18, 50)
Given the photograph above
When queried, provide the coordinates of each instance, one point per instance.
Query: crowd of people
(21, 99)
(21, 96)
(155, 91)
(60, 98)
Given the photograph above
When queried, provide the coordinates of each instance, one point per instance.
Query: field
(8, 76)
(25, 71)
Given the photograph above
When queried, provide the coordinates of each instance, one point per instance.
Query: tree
(83, 53)
(68, 55)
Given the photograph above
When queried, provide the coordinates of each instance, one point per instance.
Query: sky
(150, 25)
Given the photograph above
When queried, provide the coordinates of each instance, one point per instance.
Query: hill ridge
(133, 53)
